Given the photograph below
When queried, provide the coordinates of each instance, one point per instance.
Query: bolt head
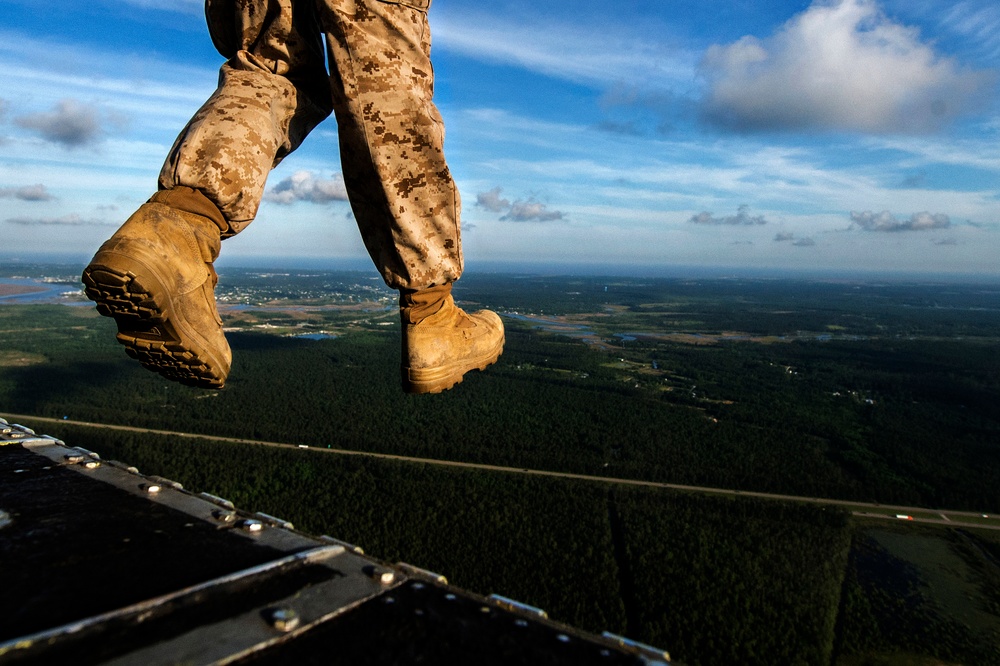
(284, 619)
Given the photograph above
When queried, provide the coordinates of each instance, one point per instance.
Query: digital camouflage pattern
(274, 89)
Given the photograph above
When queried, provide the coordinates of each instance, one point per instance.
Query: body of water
(64, 293)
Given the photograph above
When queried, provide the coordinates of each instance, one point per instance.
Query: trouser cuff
(418, 304)
(192, 201)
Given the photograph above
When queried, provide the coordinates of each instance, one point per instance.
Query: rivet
(224, 516)
(450, 597)
(74, 457)
(284, 619)
(92, 464)
(562, 638)
(387, 578)
(152, 489)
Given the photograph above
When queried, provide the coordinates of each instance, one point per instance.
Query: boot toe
(438, 353)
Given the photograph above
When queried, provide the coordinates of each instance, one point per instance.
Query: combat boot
(441, 342)
(155, 277)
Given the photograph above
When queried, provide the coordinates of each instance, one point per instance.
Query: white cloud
(840, 65)
(531, 211)
(521, 210)
(36, 192)
(491, 200)
(71, 124)
(886, 221)
(306, 186)
(742, 218)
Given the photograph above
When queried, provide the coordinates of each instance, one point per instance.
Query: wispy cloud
(838, 66)
(72, 220)
(26, 193)
(973, 25)
(162, 92)
(626, 128)
(71, 124)
(588, 54)
(182, 6)
(886, 221)
(980, 153)
(977, 22)
(742, 218)
(307, 186)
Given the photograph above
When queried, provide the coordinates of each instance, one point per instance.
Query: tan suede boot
(441, 342)
(155, 277)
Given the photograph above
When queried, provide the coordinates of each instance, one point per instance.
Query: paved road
(908, 514)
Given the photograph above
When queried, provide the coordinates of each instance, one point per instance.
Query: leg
(155, 275)
(272, 93)
(392, 139)
(401, 191)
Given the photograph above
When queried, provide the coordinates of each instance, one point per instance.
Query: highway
(908, 514)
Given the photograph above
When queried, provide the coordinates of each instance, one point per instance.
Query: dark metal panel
(104, 565)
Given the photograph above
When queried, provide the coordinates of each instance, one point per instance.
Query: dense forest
(882, 393)
(894, 421)
(921, 592)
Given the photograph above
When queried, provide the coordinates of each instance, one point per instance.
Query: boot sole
(444, 377)
(148, 324)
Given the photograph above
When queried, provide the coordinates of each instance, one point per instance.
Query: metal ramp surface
(102, 564)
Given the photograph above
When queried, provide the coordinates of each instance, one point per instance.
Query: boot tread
(150, 332)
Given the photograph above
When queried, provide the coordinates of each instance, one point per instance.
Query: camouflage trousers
(275, 88)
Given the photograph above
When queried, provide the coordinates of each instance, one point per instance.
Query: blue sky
(849, 135)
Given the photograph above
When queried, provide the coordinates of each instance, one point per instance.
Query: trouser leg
(391, 139)
(272, 92)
